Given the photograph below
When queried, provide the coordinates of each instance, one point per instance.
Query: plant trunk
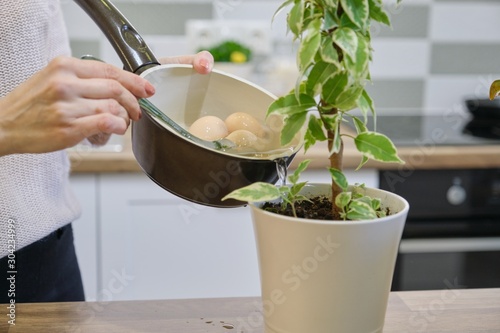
(336, 163)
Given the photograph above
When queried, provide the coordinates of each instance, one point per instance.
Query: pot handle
(128, 44)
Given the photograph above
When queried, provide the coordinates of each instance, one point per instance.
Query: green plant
(333, 60)
(230, 51)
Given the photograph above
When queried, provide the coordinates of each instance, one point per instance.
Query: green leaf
(255, 192)
(309, 45)
(339, 178)
(295, 189)
(377, 12)
(280, 8)
(377, 147)
(359, 124)
(343, 199)
(359, 210)
(293, 125)
(364, 160)
(365, 104)
(331, 121)
(289, 104)
(330, 22)
(358, 12)
(347, 40)
(328, 52)
(358, 65)
(294, 178)
(296, 18)
(348, 99)
(309, 140)
(316, 129)
(319, 74)
(333, 87)
(337, 142)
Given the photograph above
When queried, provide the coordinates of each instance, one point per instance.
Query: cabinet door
(158, 246)
(85, 232)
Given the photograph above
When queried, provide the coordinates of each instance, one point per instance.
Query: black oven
(452, 235)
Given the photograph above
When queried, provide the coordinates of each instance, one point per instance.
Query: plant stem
(336, 160)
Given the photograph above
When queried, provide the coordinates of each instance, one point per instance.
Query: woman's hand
(68, 101)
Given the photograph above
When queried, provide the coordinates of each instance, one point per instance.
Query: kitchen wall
(438, 53)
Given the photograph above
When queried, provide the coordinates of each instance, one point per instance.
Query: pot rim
(285, 154)
(255, 206)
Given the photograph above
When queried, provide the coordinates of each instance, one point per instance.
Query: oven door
(447, 263)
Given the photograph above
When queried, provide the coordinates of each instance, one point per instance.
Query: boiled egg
(242, 138)
(209, 128)
(244, 121)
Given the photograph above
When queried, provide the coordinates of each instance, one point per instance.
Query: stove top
(415, 130)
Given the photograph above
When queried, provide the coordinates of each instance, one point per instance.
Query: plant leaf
(343, 199)
(319, 74)
(358, 65)
(359, 124)
(364, 159)
(339, 178)
(316, 129)
(296, 18)
(293, 125)
(348, 99)
(310, 45)
(294, 178)
(333, 87)
(328, 52)
(358, 12)
(289, 104)
(347, 40)
(255, 192)
(377, 12)
(365, 104)
(360, 210)
(377, 147)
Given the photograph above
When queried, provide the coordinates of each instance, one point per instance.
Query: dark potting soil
(318, 208)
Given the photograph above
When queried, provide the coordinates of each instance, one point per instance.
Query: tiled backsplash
(437, 53)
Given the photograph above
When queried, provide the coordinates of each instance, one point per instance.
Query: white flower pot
(331, 276)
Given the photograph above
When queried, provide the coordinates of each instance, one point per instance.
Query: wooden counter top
(439, 311)
(424, 157)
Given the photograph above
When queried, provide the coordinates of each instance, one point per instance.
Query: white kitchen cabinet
(85, 232)
(135, 240)
(157, 246)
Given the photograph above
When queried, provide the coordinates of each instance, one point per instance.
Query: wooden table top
(438, 311)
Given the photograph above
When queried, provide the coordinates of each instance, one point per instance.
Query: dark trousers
(46, 271)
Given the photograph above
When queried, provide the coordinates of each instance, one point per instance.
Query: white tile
(473, 22)
(395, 58)
(253, 10)
(448, 92)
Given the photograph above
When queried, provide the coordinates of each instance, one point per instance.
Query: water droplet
(228, 326)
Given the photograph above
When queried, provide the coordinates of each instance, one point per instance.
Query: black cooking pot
(182, 167)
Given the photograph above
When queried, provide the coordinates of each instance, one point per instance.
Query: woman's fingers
(203, 61)
(89, 69)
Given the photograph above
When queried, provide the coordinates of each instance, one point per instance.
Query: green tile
(397, 94)
(407, 22)
(465, 58)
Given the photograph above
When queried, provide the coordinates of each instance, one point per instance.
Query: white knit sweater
(35, 196)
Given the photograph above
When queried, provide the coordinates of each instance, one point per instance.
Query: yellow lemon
(238, 57)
